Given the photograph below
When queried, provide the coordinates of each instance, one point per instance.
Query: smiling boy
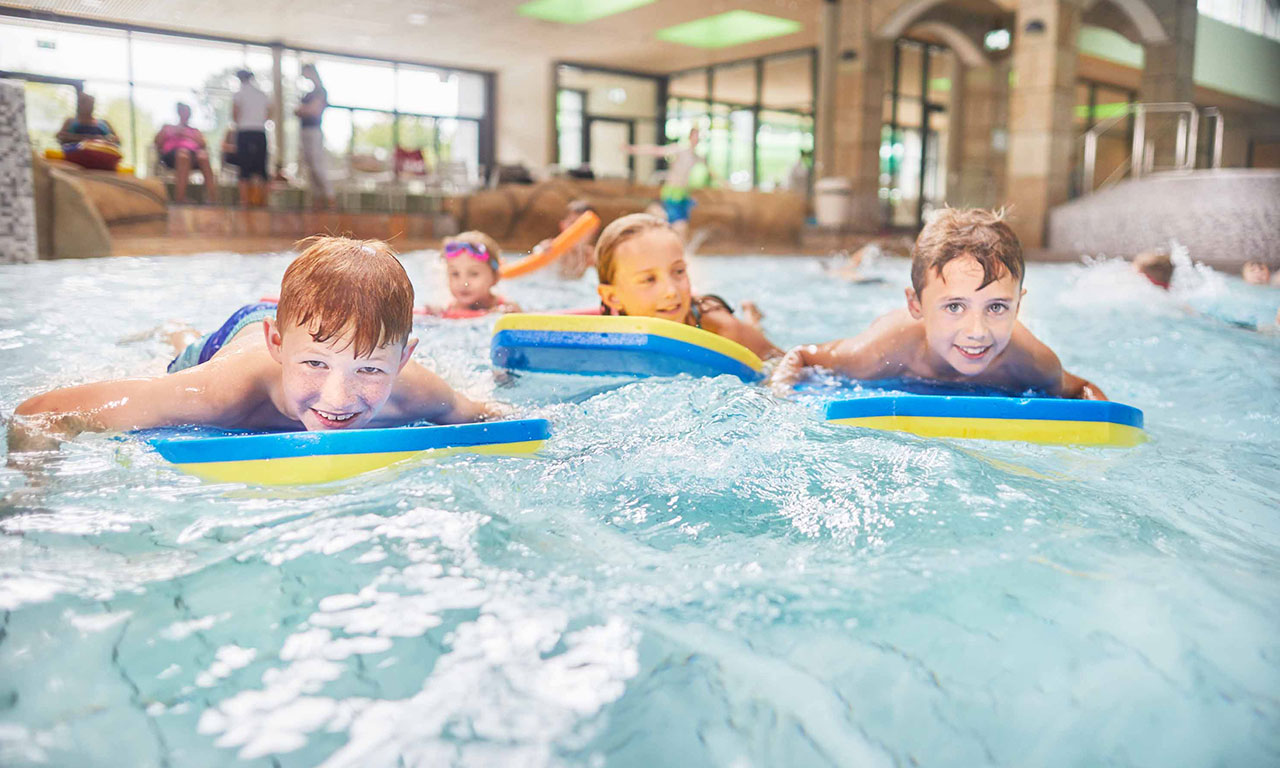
(961, 321)
(335, 354)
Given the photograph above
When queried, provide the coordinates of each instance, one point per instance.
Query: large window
(913, 143)
(598, 114)
(756, 116)
(139, 77)
(1258, 16)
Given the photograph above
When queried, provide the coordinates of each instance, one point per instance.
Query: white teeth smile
(973, 351)
(334, 416)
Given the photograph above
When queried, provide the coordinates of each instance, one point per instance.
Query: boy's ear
(609, 295)
(271, 329)
(405, 356)
(913, 304)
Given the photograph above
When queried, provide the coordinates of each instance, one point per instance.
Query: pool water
(693, 573)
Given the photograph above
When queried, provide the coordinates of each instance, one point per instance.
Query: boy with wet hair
(1156, 266)
(960, 324)
(334, 354)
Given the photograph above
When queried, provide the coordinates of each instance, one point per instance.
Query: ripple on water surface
(693, 573)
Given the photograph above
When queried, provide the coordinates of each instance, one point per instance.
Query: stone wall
(17, 201)
(1224, 218)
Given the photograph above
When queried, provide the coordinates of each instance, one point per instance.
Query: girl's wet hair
(342, 287)
(956, 232)
(619, 232)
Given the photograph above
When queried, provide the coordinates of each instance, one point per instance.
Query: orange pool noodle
(563, 242)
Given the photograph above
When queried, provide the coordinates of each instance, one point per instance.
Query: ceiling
(479, 34)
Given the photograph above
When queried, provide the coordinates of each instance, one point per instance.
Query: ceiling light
(418, 19)
(996, 40)
(728, 29)
(577, 11)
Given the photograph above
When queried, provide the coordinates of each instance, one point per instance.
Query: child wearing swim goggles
(471, 266)
(641, 264)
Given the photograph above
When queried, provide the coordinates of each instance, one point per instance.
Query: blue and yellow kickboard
(625, 346)
(295, 458)
(1045, 420)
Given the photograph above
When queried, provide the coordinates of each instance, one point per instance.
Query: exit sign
(47, 44)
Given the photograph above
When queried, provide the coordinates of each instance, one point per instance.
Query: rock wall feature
(17, 200)
(1223, 217)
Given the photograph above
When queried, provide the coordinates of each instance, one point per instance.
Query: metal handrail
(1141, 160)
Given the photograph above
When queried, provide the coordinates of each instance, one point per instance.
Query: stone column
(824, 129)
(1167, 73)
(17, 196)
(982, 128)
(1040, 104)
(860, 83)
(277, 100)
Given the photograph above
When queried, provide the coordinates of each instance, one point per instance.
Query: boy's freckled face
(325, 386)
(650, 277)
(470, 280)
(967, 326)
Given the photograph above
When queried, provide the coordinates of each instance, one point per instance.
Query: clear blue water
(695, 573)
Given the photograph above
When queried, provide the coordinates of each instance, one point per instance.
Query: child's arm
(790, 368)
(1047, 372)
(194, 396)
(722, 323)
(422, 395)
(876, 353)
(1080, 389)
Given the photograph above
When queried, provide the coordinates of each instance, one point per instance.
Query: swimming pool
(694, 572)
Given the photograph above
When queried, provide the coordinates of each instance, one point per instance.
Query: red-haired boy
(334, 354)
(961, 321)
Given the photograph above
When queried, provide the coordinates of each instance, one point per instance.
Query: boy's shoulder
(1029, 363)
(888, 347)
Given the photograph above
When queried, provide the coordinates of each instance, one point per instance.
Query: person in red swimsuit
(181, 146)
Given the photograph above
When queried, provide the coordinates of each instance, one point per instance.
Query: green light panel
(726, 29)
(577, 11)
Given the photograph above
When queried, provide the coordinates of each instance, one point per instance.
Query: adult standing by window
(310, 113)
(182, 146)
(250, 109)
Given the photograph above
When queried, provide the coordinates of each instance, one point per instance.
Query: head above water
(84, 104)
(640, 261)
(966, 286)
(356, 291)
(184, 113)
(471, 265)
(1156, 266)
(341, 332)
(976, 232)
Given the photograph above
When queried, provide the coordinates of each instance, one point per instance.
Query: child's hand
(751, 313)
(787, 372)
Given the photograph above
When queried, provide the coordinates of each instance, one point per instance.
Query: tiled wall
(17, 204)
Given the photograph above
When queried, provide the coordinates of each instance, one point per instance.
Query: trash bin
(832, 198)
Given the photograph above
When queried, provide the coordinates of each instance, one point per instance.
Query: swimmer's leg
(176, 334)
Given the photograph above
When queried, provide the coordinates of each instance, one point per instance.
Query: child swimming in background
(471, 264)
(1257, 273)
(573, 263)
(961, 321)
(333, 354)
(641, 264)
(1156, 266)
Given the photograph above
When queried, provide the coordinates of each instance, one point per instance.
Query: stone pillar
(860, 86)
(277, 100)
(982, 132)
(17, 196)
(1167, 73)
(824, 129)
(1040, 104)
